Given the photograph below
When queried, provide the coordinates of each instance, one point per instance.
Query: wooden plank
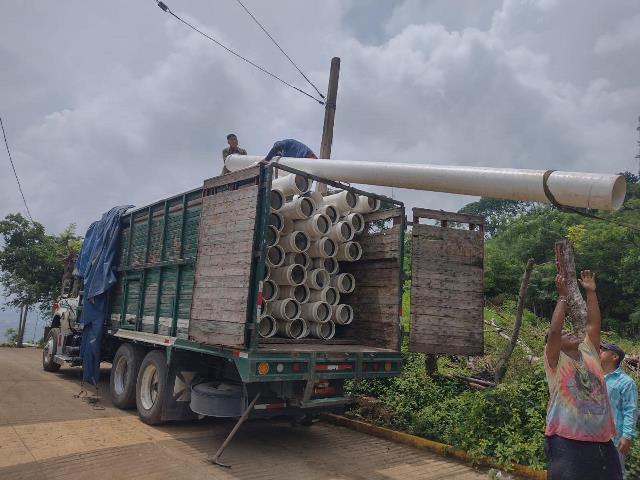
(383, 214)
(447, 216)
(243, 174)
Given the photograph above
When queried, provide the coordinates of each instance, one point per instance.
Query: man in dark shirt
(233, 147)
(289, 148)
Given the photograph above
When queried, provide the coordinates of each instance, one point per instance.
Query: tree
(497, 212)
(32, 264)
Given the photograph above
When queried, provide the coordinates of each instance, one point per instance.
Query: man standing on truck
(623, 396)
(233, 147)
(579, 422)
(289, 148)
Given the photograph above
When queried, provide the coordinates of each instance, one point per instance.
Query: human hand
(561, 285)
(624, 445)
(588, 280)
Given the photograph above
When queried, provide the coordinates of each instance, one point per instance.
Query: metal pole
(216, 458)
(329, 115)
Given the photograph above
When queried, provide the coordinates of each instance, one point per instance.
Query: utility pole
(329, 115)
(638, 155)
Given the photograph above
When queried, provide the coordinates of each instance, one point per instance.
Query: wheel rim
(120, 375)
(149, 387)
(48, 351)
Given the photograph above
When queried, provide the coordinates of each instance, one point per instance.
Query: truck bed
(316, 347)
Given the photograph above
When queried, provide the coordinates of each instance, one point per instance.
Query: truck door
(447, 283)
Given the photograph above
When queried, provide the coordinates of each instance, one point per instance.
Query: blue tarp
(290, 148)
(96, 265)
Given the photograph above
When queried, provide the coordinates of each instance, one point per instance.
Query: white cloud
(627, 35)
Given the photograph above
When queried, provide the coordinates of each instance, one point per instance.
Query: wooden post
(22, 325)
(329, 115)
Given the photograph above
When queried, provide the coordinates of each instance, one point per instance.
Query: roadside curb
(439, 448)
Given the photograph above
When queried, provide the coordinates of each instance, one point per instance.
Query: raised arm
(594, 320)
(554, 340)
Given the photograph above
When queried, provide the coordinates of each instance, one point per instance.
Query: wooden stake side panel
(447, 268)
(376, 300)
(225, 253)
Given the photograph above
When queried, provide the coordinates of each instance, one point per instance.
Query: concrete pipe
(323, 248)
(295, 242)
(291, 184)
(349, 252)
(356, 220)
(366, 204)
(270, 290)
(289, 275)
(342, 314)
(266, 273)
(296, 329)
(323, 331)
(267, 326)
(327, 294)
(316, 227)
(330, 211)
(275, 257)
(276, 220)
(300, 293)
(316, 311)
(344, 282)
(276, 199)
(317, 279)
(298, 209)
(344, 201)
(272, 236)
(329, 264)
(299, 258)
(287, 309)
(341, 232)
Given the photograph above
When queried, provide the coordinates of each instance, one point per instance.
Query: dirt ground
(46, 433)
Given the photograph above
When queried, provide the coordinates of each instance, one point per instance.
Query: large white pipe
(270, 290)
(329, 264)
(349, 252)
(275, 257)
(323, 331)
(342, 314)
(575, 189)
(316, 311)
(344, 201)
(297, 328)
(317, 279)
(291, 184)
(300, 258)
(341, 232)
(344, 282)
(366, 204)
(276, 220)
(323, 248)
(327, 294)
(267, 326)
(300, 293)
(356, 220)
(330, 211)
(289, 275)
(295, 242)
(287, 309)
(276, 200)
(298, 209)
(316, 226)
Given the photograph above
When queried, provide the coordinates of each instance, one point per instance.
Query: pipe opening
(347, 282)
(331, 296)
(356, 221)
(301, 241)
(296, 328)
(306, 206)
(302, 183)
(351, 199)
(322, 224)
(276, 199)
(297, 274)
(353, 250)
(323, 312)
(266, 327)
(299, 259)
(268, 290)
(619, 192)
(330, 265)
(329, 247)
(332, 213)
(274, 255)
(300, 293)
(345, 230)
(291, 309)
(321, 278)
(272, 236)
(276, 221)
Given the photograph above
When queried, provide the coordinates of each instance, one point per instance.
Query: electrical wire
(279, 48)
(6, 144)
(166, 9)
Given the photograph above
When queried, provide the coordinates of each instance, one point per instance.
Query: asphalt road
(46, 433)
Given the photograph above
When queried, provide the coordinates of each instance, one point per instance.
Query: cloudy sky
(113, 103)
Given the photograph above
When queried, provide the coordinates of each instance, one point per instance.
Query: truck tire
(124, 374)
(151, 386)
(49, 351)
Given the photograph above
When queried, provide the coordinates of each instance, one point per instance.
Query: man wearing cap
(623, 396)
(233, 147)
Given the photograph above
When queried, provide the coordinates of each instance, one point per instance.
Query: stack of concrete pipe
(308, 237)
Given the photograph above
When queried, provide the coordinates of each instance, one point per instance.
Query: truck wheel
(151, 386)
(124, 373)
(49, 351)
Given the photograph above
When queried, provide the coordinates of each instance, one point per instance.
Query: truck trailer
(185, 330)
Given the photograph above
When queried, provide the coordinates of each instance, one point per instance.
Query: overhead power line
(165, 8)
(6, 144)
(280, 48)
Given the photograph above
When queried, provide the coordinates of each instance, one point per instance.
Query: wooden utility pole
(329, 115)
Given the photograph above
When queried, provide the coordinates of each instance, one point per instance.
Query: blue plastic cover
(96, 265)
(290, 148)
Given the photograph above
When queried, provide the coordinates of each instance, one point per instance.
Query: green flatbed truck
(181, 330)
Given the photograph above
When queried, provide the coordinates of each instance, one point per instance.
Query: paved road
(46, 433)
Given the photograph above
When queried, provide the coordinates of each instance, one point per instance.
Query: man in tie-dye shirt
(580, 428)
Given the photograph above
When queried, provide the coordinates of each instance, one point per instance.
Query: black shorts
(575, 460)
